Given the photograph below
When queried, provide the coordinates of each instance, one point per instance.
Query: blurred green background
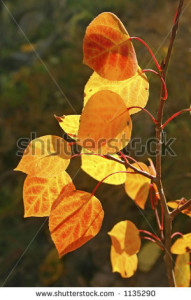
(32, 90)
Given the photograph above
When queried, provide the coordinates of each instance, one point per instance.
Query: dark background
(28, 100)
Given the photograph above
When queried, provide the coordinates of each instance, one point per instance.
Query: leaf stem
(145, 110)
(175, 234)
(151, 52)
(162, 80)
(175, 115)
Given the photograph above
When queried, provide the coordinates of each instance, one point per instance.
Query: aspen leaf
(178, 203)
(125, 236)
(182, 244)
(134, 91)
(99, 167)
(75, 219)
(46, 156)
(105, 124)
(40, 193)
(70, 124)
(182, 270)
(123, 263)
(148, 256)
(137, 186)
(51, 269)
(107, 48)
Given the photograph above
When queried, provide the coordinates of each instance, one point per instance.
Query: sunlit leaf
(178, 203)
(137, 186)
(99, 167)
(134, 91)
(70, 124)
(75, 219)
(40, 193)
(148, 256)
(51, 268)
(46, 156)
(182, 244)
(123, 263)
(125, 236)
(182, 270)
(107, 48)
(27, 48)
(105, 124)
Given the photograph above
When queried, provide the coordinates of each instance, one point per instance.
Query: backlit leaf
(134, 91)
(148, 256)
(99, 167)
(46, 156)
(105, 124)
(123, 263)
(182, 244)
(70, 124)
(182, 270)
(40, 193)
(179, 203)
(75, 219)
(107, 48)
(125, 236)
(137, 186)
(51, 268)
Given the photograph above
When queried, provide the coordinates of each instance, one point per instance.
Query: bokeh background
(32, 90)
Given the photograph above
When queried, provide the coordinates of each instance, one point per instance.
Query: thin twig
(179, 209)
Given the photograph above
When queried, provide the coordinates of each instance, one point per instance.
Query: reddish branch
(167, 215)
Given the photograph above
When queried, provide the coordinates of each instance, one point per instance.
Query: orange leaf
(134, 91)
(75, 219)
(105, 124)
(40, 193)
(46, 156)
(182, 270)
(179, 203)
(123, 263)
(107, 48)
(182, 245)
(137, 186)
(125, 237)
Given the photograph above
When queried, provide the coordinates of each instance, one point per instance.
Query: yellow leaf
(182, 245)
(123, 263)
(137, 186)
(105, 124)
(46, 156)
(178, 203)
(99, 167)
(134, 91)
(70, 124)
(28, 47)
(51, 268)
(182, 270)
(125, 236)
(40, 193)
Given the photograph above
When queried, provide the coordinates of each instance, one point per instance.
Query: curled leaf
(137, 186)
(178, 203)
(40, 193)
(182, 270)
(134, 91)
(75, 219)
(125, 236)
(182, 244)
(105, 124)
(123, 263)
(107, 48)
(99, 167)
(46, 156)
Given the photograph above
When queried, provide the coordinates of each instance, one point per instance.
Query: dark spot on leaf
(84, 95)
(188, 249)
(90, 90)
